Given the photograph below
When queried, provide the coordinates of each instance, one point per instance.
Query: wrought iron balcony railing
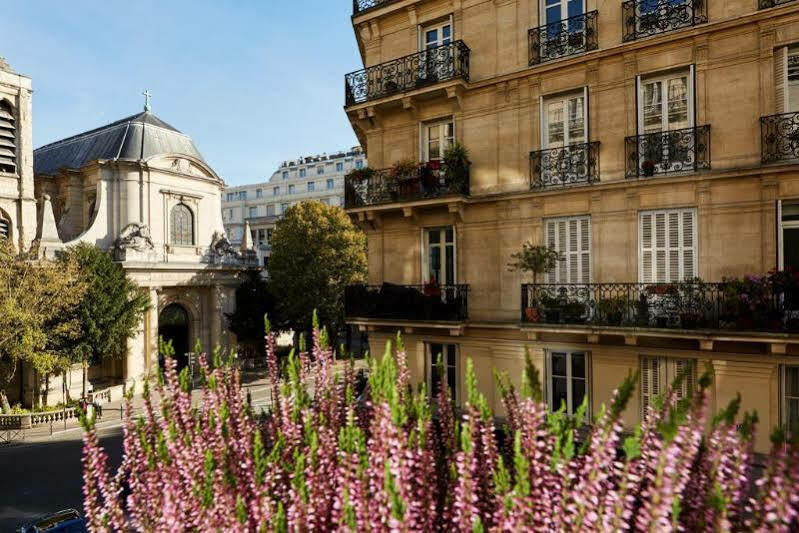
(668, 152)
(779, 137)
(576, 164)
(766, 4)
(687, 305)
(407, 302)
(573, 35)
(428, 180)
(642, 18)
(422, 69)
(359, 6)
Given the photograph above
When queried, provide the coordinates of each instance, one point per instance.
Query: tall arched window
(5, 228)
(8, 139)
(181, 226)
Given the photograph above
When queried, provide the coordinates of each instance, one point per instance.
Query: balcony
(751, 304)
(573, 35)
(667, 152)
(360, 6)
(576, 164)
(371, 187)
(642, 18)
(766, 4)
(445, 303)
(416, 71)
(779, 137)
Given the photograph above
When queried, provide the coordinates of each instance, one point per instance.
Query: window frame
(563, 97)
(783, 399)
(428, 369)
(668, 370)
(425, 140)
(680, 231)
(311, 186)
(426, 274)
(331, 184)
(339, 167)
(571, 407)
(555, 276)
(192, 225)
(663, 77)
(292, 188)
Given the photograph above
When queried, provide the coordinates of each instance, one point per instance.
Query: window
(440, 254)
(668, 246)
(438, 66)
(243, 195)
(436, 35)
(253, 212)
(311, 186)
(359, 164)
(658, 374)
(284, 208)
(259, 193)
(261, 236)
(789, 236)
(567, 379)
(571, 236)
(564, 121)
(5, 229)
(331, 184)
(269, 235)
(302, 172)
(291, 189)
(270, 210)
(666, 102)
(285, 175)
(339, 167)
(790, 397)
(436, 138)
(181, 226)
(786, 82)
(320, 170)
(275, 191)
(557, 10)
(230, 197)
(448, 353)
(8, 139)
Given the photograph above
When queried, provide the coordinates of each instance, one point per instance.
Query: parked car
(66, 521)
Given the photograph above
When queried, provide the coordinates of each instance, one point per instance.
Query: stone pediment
(182, 166)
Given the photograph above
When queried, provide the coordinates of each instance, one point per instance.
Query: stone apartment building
(260, 205)
(650, 142)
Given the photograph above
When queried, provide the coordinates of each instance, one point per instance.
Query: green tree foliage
(36, 319)
(253, 301)
(316, 253)
(110, 310)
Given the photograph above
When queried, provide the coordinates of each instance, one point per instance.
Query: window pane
(452, 380)
(559, 364)
(555, 124)
(451, 355)
(653, 106)
(792, 381)
(678, 103)
(578, 365)
(559, 393)
(578, 393)
(576, 120)
(434, 236)
(431, 37)
(449, 235)
(790, 248)
(553, 14)
(450, 264)
(435, 263)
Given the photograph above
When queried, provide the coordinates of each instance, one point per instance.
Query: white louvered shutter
(688, 245)
(687, 369)
(650, 382)
(572, 238)
(668, 245)
(780, 68)
(647, 248)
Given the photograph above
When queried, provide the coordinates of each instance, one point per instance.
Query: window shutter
(687, 369)
(650, 382)
(668, 245)
(572, 238)
(660, 247)
(574, 252)
(688, 245)
(792, 80)
(647, 248)
(585, 250)
(674, 246)
(551, 243)
(561, 246)
(780, 67)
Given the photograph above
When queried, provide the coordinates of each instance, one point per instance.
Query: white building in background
(319, 177)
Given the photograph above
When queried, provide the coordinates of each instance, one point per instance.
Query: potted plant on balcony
(357, 184)
(612, 309)
(403, 175)
(648, 168)
(536, 260)
(456, 167)
(432, 288)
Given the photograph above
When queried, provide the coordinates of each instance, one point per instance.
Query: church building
(140, 189)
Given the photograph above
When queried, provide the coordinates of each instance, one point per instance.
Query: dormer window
(8, 139)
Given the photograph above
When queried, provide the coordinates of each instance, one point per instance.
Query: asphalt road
(43, 477)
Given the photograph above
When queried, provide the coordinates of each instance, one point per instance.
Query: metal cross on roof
(147, 94)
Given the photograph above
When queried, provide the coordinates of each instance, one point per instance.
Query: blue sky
(253, 82)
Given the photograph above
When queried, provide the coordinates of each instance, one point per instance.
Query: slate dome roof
(133, 138)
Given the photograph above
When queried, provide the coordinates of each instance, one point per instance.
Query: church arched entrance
(173, 325)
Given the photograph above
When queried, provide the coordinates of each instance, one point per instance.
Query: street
(43, 477)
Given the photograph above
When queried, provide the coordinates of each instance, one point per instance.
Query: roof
(137, 137)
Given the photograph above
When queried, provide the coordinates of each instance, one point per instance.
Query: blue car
(66, 521)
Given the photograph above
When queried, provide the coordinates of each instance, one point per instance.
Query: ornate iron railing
(668, 152)
(779, 137)
(428, 67)
(642, 18)
(682, 305)
(573, 35)
(429, 180)
(359, 6)
(766, 4)
(407, 302)
(576, 164)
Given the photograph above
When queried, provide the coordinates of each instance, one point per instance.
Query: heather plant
(330, 455)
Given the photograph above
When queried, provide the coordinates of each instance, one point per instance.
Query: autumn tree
(316, 252)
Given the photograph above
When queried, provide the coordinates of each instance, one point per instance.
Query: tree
(253, 301)
(37, 320)
(111, 309)
(316, 253)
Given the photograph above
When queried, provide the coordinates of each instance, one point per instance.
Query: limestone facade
(725, 73)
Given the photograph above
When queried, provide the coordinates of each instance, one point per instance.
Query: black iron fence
(734, 305)
(779, 137)
(415, 71)
(407, 302)
(642, 18)
(573, 35)
(765, 4)
(359, 6)
(576, 164)
(667, 152)
(428, 180)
